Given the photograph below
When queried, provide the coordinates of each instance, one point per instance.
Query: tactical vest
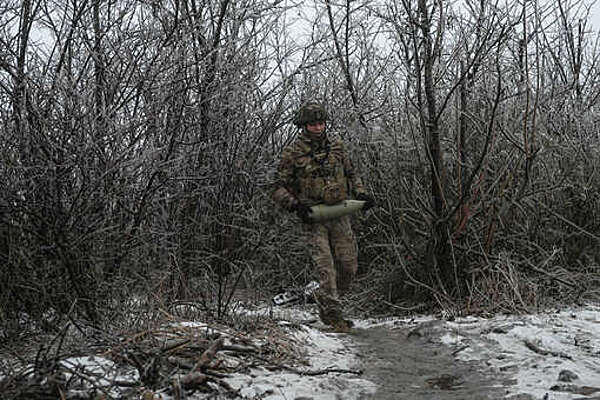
(319, 173)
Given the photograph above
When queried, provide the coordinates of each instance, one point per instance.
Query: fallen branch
(318, 372)
(331, 371)
(537, 349)
(208, 355)
(181, 362)
(193, 380)
(455, 352)
(238, 348)
(174, 344)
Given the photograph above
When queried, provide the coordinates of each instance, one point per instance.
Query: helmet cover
(310, 112)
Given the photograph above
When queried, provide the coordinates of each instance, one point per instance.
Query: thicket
(138, 141)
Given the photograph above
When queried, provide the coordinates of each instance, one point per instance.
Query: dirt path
(412, 363)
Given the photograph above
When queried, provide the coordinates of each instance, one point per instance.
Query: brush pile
(174, 361)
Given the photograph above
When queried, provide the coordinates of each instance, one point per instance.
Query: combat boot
(341, 326)
(333, 318)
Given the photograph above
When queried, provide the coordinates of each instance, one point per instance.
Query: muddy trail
(412, 363)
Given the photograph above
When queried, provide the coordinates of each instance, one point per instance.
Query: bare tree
(137, 140)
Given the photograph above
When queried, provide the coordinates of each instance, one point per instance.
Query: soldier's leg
(345, 250)
(326, 296)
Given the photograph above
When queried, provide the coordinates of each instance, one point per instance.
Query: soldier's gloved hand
(369, 201)
(303, 212)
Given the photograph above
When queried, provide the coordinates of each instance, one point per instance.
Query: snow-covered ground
(325, 352)
(551, 355)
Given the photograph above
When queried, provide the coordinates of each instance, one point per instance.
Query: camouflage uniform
(308, 168)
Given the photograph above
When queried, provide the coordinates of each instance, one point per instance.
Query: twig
(567, 221)
(322, 371)
(412, 308)
(174, 344)
(208, 355)
(537, 349)
(331, 371)
(238, 348)
(548, 274)
(455, 352)
(181, 362)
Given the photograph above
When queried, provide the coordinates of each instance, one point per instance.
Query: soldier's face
(316, 127)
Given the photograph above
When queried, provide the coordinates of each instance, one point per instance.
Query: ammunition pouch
(334, 193)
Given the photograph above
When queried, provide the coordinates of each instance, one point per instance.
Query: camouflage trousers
(334, 252)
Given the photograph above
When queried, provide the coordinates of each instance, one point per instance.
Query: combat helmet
(310, 111)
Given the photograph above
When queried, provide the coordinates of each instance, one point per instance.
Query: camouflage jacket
(308, 168)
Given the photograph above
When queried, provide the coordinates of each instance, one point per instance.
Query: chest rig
(321, 174)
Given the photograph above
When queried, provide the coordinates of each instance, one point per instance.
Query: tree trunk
(439, 246)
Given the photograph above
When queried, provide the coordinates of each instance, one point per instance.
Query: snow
(105, 371)
(537, 347)
(531, 349)
(325, 351)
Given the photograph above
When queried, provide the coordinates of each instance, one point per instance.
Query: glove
(369, 201)
(303, 212)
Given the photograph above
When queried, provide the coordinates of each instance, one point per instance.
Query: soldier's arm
(282, 188)
(356, 184)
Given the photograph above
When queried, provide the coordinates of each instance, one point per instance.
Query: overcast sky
(596, 15)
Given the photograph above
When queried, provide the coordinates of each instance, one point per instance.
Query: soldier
(316, 169)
